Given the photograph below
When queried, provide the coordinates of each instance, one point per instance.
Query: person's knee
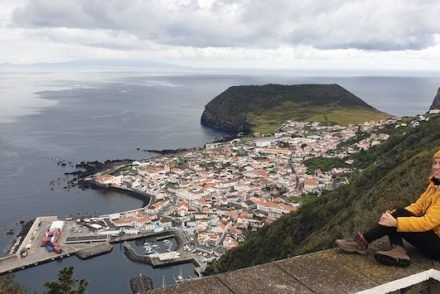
(401, 212)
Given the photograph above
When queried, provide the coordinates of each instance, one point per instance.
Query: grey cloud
(371, 25)
(90, 39)
(331, 24)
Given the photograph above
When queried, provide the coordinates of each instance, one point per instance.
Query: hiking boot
(396, 256)
(355, 245)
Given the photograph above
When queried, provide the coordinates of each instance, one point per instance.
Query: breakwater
(94, 251)
(131, 254)
(145, 197)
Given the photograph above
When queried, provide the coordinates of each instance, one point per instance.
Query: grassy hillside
(264, 108)
(393, 174)
(270, 119)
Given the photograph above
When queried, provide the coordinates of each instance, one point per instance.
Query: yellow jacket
(426, 210)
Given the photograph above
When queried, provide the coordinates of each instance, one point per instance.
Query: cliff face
(436, 103)
(242, 108)
(230, 123)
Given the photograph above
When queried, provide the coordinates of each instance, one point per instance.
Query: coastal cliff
(264, 108)
(436, 103)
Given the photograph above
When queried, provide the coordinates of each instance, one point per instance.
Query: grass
(348, 116)
(304, 199)
(271, 119)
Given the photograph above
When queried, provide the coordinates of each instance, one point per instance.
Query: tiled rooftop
(327, 271)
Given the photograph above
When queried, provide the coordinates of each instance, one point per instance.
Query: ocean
(100, 114)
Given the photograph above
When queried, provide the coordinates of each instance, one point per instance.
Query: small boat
(179, 279)
(148, 250)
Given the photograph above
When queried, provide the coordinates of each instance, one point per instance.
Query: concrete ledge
(327, 271)
(209, 285)
(265, 278)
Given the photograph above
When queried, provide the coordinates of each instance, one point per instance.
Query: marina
(73, 238)
(158, 259)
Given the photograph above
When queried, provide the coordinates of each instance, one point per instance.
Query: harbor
(30, 253)
(52, 238)
(158, 259)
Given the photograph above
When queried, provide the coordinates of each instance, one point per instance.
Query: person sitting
(418, 224)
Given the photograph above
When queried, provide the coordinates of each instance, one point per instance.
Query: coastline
(147, 199)
(222, 139)
(83, 179)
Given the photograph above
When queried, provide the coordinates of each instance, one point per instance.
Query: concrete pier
(96, 250)
(30, 253)
(77, 239)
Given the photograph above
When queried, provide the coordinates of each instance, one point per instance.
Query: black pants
(427, 242)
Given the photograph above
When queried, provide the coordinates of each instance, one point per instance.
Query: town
(203, 201)
(214, 195)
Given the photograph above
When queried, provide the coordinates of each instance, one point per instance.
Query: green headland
(264, 108)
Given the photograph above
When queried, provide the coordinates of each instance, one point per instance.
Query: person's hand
(387, 220)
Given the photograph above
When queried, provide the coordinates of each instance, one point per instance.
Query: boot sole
(361, 252)
(352, 250)
(388, 260)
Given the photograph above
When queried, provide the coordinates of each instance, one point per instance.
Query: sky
(287, 34)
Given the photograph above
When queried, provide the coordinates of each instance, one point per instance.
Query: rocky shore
(180, 150)
(16, 242)
(81, 178)
(88, 168)
(169, 151)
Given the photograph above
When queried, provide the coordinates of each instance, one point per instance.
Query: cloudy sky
(372, 34)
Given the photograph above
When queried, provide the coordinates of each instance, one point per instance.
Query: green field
(348, 116)
(269, 120)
